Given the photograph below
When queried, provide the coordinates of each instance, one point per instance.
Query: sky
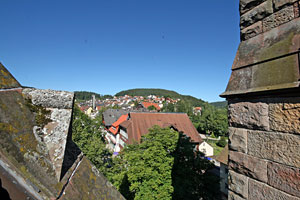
(107, 46)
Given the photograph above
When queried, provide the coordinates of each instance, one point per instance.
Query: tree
(222, 142)
(88, 137)
(164, 165)
(151, 107)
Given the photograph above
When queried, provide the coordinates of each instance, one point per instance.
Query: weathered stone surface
(278, 18)
(279, 147)
(261, 191)
(238, 139)
(246, 5)
(249, 115)
(281, 3)
(88, 183)
(256, 14)
(284, 178)
(233, 196)
(248, 165)
(285, 117)
(238, 183)
(50, 98)
(6, 79)
(251, 30)
(296, 9)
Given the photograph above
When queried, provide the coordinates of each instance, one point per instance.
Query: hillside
(219, 104)
(162, 92)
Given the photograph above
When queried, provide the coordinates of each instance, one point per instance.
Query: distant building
(148, 104)
(138, 125)
(197, 110)
(205, 148)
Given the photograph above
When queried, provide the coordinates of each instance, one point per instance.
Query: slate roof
(112, 115)
(139, 123)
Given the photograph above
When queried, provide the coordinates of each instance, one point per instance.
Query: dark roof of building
(112, 115)
(223, 156)
(139, 123)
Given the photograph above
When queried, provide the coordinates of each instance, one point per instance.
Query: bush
(222, 142)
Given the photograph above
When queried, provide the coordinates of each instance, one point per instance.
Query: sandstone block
(238, 139)
(261, 191)
(281, 3)
(285, 117)
(238, 183)
(248, 165)
(279, 147)
(251, 31)
(284, 178)
(261, 11)
(278, 18)
(233, 196)
(249, 115)
(246, 5)
(296, 9)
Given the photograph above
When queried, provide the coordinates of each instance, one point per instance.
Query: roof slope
(139, 124)
(223, 156)
(148, 104)
(7, 80)
(112, 115)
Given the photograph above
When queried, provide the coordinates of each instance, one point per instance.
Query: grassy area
(217, 149)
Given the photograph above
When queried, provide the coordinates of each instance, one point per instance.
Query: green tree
(88, 137)
(151, 107)
(222, 142)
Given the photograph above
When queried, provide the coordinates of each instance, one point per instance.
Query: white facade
(206, 149)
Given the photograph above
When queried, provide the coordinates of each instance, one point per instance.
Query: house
(138, 125)
(205, 148)
(223, 159)
(148, 104)
(197, 110)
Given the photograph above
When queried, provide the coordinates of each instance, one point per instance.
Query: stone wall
(264, 158)
(263, 96)
(258, 16)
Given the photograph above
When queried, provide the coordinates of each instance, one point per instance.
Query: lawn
(217, 149)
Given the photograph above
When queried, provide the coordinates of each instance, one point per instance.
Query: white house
(205, 148)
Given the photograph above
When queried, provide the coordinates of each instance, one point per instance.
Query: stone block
(251, 31)
(233, 196)
(246, 5)
(248, 165)
(280, 147)
(261, 191)
(284, 178)
(258, 13)
(278, 18)
(249, 115)
(238, 183)
(238, 139)
(296, 9)
(285, 117)
(278, 4)
(50, 98)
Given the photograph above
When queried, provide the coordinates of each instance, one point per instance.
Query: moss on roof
(6, 79)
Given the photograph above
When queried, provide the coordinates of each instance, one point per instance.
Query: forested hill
(84, 95)
(146, 92)
(219, 104)
(162, 92)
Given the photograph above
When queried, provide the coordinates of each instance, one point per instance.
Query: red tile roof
(148, 104)
(115, 126)
(139, 123)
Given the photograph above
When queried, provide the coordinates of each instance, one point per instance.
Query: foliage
(222, 142)
(84, 95)
(163, 166)
(219, 104)
(151, 107)
(88, 137)
(217, 149)
(147, 91)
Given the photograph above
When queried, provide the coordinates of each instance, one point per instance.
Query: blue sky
(107, 46)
